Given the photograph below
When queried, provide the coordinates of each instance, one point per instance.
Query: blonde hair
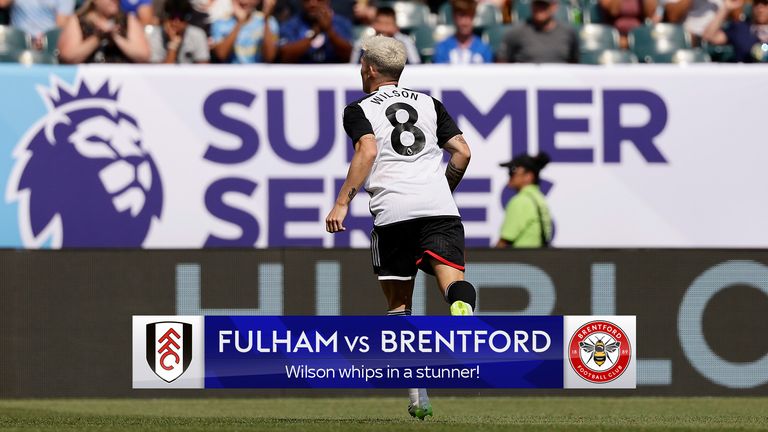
(387, 55)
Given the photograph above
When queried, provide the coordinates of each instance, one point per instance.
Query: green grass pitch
(387, 414)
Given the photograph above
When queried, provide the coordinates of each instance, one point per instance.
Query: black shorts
(400, 249)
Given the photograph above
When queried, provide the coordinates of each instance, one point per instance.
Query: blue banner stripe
(382, 352)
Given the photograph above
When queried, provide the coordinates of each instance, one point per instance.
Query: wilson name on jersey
(407, 180)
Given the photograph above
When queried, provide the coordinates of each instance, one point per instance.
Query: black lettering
(419, 139)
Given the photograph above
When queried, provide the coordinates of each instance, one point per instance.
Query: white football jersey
(407, 180)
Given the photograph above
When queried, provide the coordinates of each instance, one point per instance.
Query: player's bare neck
(382, 84)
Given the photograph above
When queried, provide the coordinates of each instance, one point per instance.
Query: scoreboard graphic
(384, 352)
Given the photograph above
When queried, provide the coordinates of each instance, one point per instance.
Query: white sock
(423, 398)
(415, 395)
(418, 397)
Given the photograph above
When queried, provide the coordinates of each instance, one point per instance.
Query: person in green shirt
(527, 222)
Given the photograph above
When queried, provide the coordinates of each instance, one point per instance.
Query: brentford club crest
(169, 348)
(599, 351)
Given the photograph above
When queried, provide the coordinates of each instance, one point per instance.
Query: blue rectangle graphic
(383, 352)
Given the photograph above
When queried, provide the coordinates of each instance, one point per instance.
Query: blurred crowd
(331, 31)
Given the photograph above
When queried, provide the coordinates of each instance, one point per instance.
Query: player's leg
(399, 295)
(392, 252)
(442, 243)
(460, 294)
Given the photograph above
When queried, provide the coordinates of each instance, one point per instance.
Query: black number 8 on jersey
(409, 126)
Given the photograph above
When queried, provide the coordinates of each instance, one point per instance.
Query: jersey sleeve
(355, 123)
(446, 127)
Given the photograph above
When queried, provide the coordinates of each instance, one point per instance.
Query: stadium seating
(445, 14)
(424, 41)
(598, 38)
(12, 40)
(760, 53)
(685, 56)
(591, 12)
(363, 31)
(487, 15)
(495, 34)
(28, 57)
(521, 10)
(51, 42)
(659, 42)
(408, 14)
(747, 11)
(565, 14)
(442, 32)
(719, 53)
(607, 57)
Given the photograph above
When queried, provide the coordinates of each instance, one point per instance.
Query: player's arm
(359, 168)
(457, 165)
(450, 139)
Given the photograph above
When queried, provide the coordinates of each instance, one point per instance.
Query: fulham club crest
(169, 348)
(599, 351)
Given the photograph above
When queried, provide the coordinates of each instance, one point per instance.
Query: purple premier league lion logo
(82, 176)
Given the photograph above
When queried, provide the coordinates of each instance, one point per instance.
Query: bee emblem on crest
(599, 350)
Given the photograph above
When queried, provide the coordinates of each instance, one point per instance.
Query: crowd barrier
(253, 156)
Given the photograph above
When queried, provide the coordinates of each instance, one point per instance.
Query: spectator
(5, 18)
(385, 24)
(527, 221)
(464, 47)
(505, 6)
(284, 10)
(541, 39)
(316, 35)
(101, 33)
(249, 36)
(741, 34)
(214, 10)
(695, 15)
(143, 10)
(627, 14)
(35, 17)
(178, 41)
(359, 12)
(199, 17)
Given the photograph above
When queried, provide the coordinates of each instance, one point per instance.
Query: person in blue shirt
(143, 10)
(36, 17)
(316, 35)
(746, 37)
(464, 47)
(248, 36)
